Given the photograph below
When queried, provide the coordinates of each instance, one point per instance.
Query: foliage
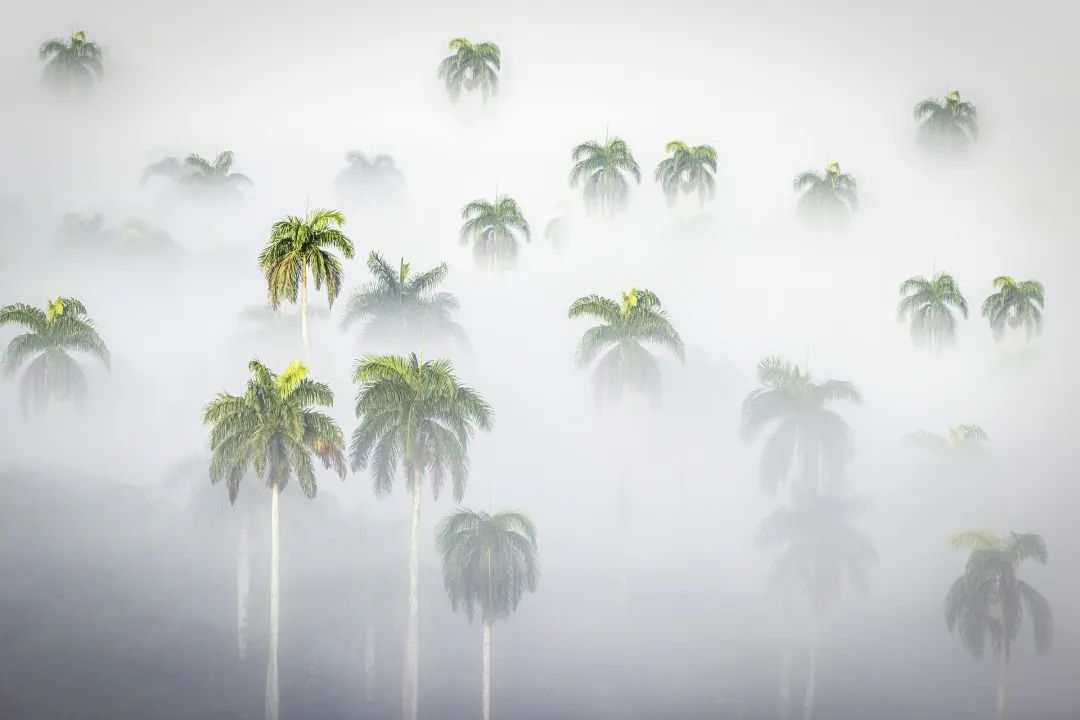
(87, 233)
(929, 303)
(72, 62)
(299, 245)
(416, 415)
(961, 438)
(197, 172)
(471, 66)
(376, 176)
(494, 228)
(1015, 305)
(274, 429)
(489, 561)
(624, 330)
(796, 408)
(689, 169)
(832, 195)
(947, 123)
(52, 334)
(602, 170)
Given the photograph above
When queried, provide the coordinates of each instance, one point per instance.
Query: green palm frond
(950, 123)
(495, 230)
(602, 171)
(470, 67)
(831, 195)
(302, 246)
(71, 62)
(688, 170)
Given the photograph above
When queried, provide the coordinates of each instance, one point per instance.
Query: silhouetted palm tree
(951, 122)
(494, 229)
(52, 334)
(471, 66)
(602, 170)
(689, 169)
(929, 302)
(72, 62)
(376, 176)
(831, 195)
(1015, 305)
(489, 561)
(989, 599)
(196, 172)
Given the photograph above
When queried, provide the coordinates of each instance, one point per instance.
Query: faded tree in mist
(376, 176)
(471, 66)
(45, 349)
(961, 439)
(299, 247)
(803, 428)
(988, 601)
(830, 196)
(624, 331)
(72, 62)
(950, 123)
(417, 416)
(495, 230)
(135, 238)
(199, 174)
(275, 429)
(602, 170)
(400, 306)
(1015, 305)
(688, 170)
(489, 560)
(930, 303)
(821, 552)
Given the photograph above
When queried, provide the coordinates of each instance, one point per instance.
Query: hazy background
(117, 558)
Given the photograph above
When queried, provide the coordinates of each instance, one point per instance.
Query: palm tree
(197, 172)
(396, 305)
(602, 169)
(74, 62)
(831, 195)
(52, 334)
(489, 561)
(416, 415)
(951, 122)
(377, 175)
(298, 246)
(1015, 305)
(989, 599)
(961, 438)
(929, 303)
(803, 426)
(821, 552)
(471, 66)
(689, 169)
(274, 429)
(624, 330)
(77, 230)
(494, 228)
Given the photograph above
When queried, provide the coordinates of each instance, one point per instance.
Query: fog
(655, 600)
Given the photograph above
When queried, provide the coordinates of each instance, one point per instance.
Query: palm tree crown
(624, 330)
(196, 171)
(397, 304)
(602, 170)
(489, 561)
(471, 66)
(795, 407)
(951, 121)
(929, 303)
(689, 169)
(301, 245)
(275, 429)
(74, 61)
(828, 195)
(1015, 305)
(52, 333)
(376, 175)
(962, 437)
(494, 228)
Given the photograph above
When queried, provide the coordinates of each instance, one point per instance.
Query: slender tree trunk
(243, 585)
(303, 313)
(273, 695)
(811, 675)
(1002, 664)
(785, 682)
(411, 684)
(369, 654)
(487, 670)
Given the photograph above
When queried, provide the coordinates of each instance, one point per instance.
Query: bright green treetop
(471, 66)
(1015, 305)
(602, 170)
(929, 303)
(72, 62)
(494, 229)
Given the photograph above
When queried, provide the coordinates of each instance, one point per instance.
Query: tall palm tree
(831, 195)
(72, 62)
(961, 438)
(494, 228)
(989, 599)
(471, 66)
(929, 302)
(377, 175)
(803, 426)
(195, 171)
(275, 429)
(601, 168)
(417, 416)
(1015, 305)
(625, 329)
(52, 334)
(821, 552)
(688, 169)
(951, 122)
(397, 305)
(488, 561)
(299, 246)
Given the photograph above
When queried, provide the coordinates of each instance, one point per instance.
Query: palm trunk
(273, 695)
(243, 586)
(811, 676)
(785, 683)
(487, 670)
(1002, 664)
(411, 684)
(303, 313)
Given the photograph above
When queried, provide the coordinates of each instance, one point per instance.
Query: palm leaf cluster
(198, 172)
(625, 329)
(275, 429)
(602, 169)
(495, 230)
(949, 122)
(929, 303)
(376, 175)
(688, 170)
(299, 245)
(72, 62)
(961, 438)
(1015, 305)
(45, 349)
(471, 66)
(829, 195)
